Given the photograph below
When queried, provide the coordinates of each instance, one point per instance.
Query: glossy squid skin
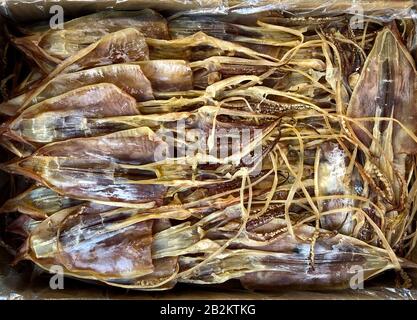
(87, 168)
(215, 69)
(22, 226)
(284, 261)
(335, 262)
(121, 252)
(51, 47)
(85, 242)
(387, 87)
(66, 116)
(82, 241)
(80, 32)
(168, 75)
(128, 78)
(333, 180)
(108, 168)
(126, 45)
(38, 202)
(198, 46)
(248, 36)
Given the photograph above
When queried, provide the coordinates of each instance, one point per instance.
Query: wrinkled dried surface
(66, 116)
(104, 253)
(168, 75)
(53, 46)
(387, 88)
(273, 149)
(85, 168)
(38, 202)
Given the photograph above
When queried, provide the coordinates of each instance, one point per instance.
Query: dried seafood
(276, 150)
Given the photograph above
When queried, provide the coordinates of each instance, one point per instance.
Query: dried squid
(53, 46)
(275, 150)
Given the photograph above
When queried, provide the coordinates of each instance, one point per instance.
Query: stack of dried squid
(273, 150)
